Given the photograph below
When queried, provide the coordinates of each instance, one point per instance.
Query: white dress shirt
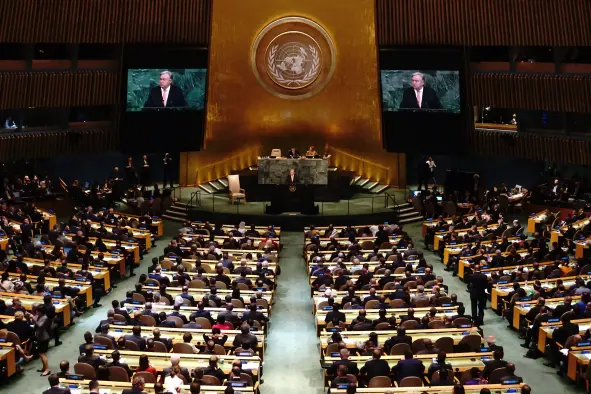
(165, 95)
(419, 94)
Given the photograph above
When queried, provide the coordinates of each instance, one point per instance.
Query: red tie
(164, 98)
(419, 98)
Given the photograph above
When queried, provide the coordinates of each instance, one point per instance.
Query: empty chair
(184, 348)
(86, 370)
(496, 375)
(399, 349)
(160, 347)
(331, 348)
(380, 381)
(148, 377)
(446, 344)
(436, 324)
(409, 324)
(236, 193)
(435, 376)
(219, 350)
(101, 340)
(196, 284)
(118, 374)
(211, 380)
(139, 298)
(411, 381)
(119, 317)
(383, 326)
(177, 321)
(372, 304)
(472, 341)
(461, 321)
(148, 320)
(130, 345)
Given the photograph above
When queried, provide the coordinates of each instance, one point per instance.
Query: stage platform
(359, 208)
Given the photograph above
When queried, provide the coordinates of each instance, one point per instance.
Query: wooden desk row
(502, 289)
(494, 388)
(520, 309)
(460, 233)
(212, 264)
(465, 262)
(85, 287)
(373, 314)
(198, 293)
(451, 250)
(256, 241)
(392, 239)
(235, 254)
(98, 273)
(176, 335)
(536, 219)
(81, 387)
(157, 222)
(353, 338)
(8, 356)
(144, 235)
(364, 253)
(62, 306)
(556, 234)
(130, 247)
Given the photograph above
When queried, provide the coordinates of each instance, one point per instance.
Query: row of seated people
(238, 230)
(353, 245)
(192, 250)
(109, 217)
(396, 253)
(521, 293)
(331, 231)
(59, 385)
(484, 254)
(200, 270)
(112, 366)
(386, 320)
(410, 371)
(14, 189)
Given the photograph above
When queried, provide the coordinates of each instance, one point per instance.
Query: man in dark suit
(351, 366)
(292, 178)
(563, 308)
(109, 320)
(54, 382)
(560, 335)
(177, 313)
(335, 314)
(214, 370)
(400, 337)
(375, 366)
(116, 356)
(478, 285)
(496, 362)
(166, 341)
(90, 358)
(419, 96)
(120, 311)
(201, 312)
(293, 154)
(166, 95)
(136, 337)
(410, 366)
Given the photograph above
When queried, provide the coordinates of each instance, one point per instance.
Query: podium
(292, 198)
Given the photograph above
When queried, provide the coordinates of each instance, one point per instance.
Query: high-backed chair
(236, 193)
(276, 152)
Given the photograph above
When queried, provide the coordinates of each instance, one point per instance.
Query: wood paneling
(105, 21)
(484, 22)
(29, 145)
(559, 149)
(58, 88)
(560, 93)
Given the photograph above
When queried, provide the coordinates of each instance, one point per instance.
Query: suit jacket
(57, 390)
(562, 333)
(122, 365)
(20, 328)
(491, 365)
(95, 361)
(292, 155)
(141, 342)
(296, 179)
(178, 314)
(374, 368)
(429, 100)
(410, 367)
(175, 98)
(561, 310)
(218, 373)
(133, 390)
(351, 367)
(478, 284)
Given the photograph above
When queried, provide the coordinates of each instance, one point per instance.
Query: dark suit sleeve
(179, 99)
(408, 99)
(150, 101)
(434, 102)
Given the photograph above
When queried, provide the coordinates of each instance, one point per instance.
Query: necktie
(419, 98)
(164, 97)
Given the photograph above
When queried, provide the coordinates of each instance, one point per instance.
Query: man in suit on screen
(419, 96)
(165, 95)
(292, 178)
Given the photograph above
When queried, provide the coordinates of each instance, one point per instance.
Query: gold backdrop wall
(242, 114)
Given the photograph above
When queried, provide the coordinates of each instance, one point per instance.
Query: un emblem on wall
(293, 58)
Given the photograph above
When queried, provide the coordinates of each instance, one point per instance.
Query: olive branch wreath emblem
(307, 78)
